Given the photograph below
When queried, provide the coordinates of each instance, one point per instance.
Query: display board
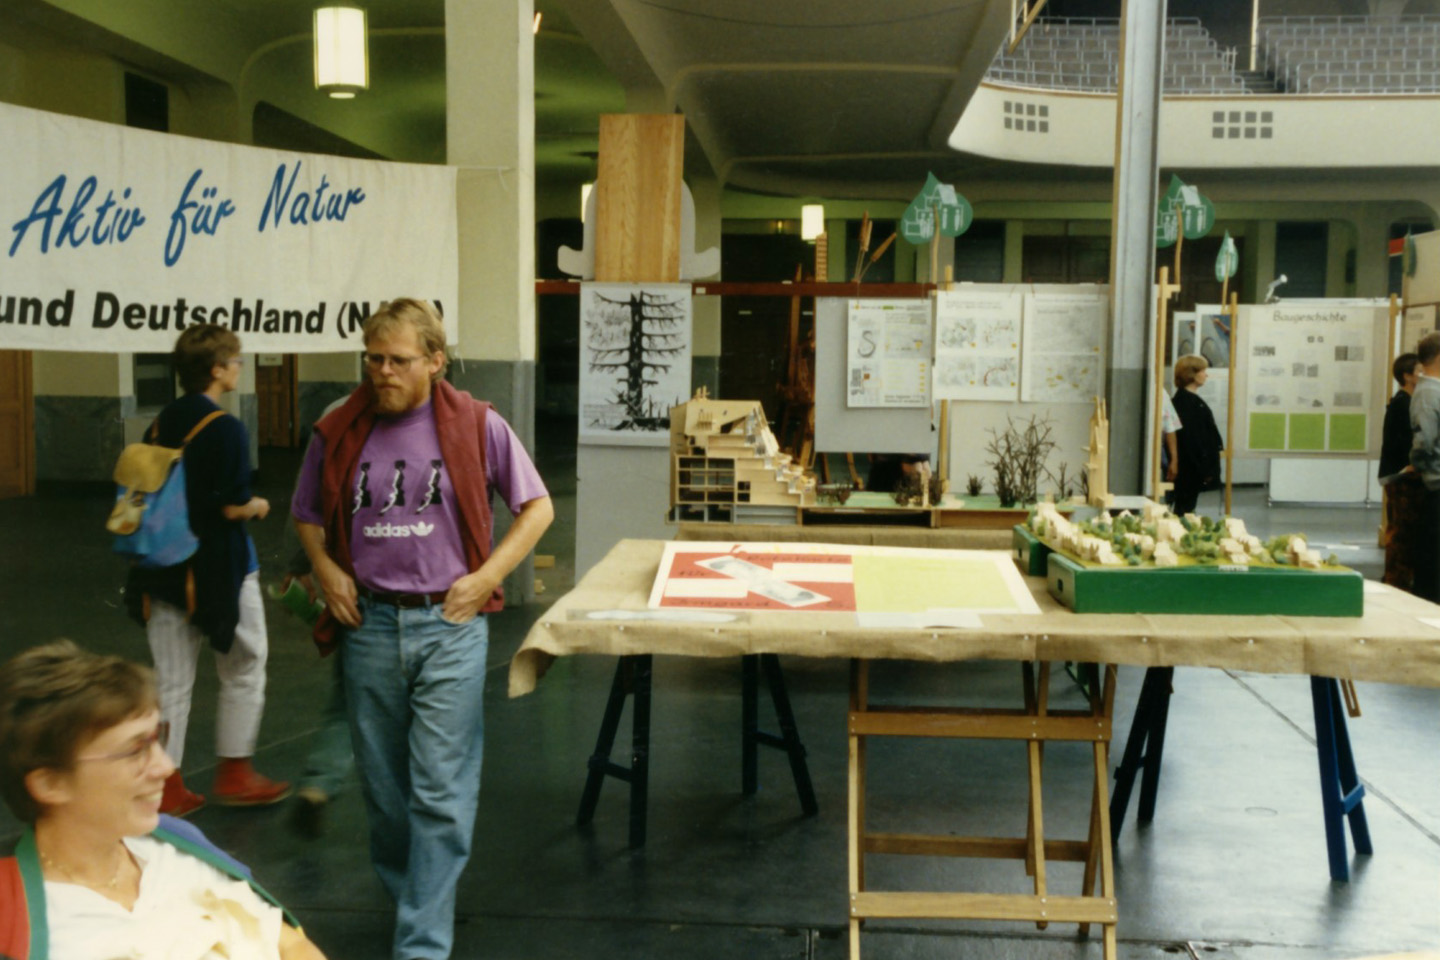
(635, 342)
(888, 353)
(1311, 379)
(1418, 322)
(977, 343)
(884, 582)
(1063, 353)
(840, 427)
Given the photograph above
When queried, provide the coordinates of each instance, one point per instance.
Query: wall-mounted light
(535, 27)
(585, 189)
(812, 221)
(342, 66)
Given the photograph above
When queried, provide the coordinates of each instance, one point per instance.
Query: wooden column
(637, 198)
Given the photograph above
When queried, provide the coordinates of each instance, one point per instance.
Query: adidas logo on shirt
(399, 529)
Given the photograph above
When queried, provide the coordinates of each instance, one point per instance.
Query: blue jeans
(331, 757)
(415, 685)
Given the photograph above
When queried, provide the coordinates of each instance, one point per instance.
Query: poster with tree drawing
(635, 342)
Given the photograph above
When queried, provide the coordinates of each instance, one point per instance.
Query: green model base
(1259, 591)
(1031, 553)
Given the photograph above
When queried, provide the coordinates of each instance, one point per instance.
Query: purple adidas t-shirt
(405, 531)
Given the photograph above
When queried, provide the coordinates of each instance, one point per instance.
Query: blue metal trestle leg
(1341, 792)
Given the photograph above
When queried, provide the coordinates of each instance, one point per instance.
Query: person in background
(1425, 458)
(1198, 445)
(97, 871)
(215, 596)
(888, 469)
(1404, 493)
(1170, 425)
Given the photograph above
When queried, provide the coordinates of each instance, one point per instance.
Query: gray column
(490, 137)
(1132, 254)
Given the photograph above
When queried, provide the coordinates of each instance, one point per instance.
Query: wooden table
(607, 614)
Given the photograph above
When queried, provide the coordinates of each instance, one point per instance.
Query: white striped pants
(175, 645)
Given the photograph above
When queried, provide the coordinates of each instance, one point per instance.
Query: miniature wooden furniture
(725, 463)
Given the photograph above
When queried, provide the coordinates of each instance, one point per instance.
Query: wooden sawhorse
(632, 678)
(1341, 792)
(1035, 724)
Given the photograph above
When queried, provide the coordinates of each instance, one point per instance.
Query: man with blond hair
(393, 509)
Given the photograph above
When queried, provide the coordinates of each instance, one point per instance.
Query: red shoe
(177, 801)
(238, 785)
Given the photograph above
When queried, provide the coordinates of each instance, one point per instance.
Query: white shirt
(187, 910)
(1169, 419)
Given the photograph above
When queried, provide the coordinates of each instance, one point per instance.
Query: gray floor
(1234, 864)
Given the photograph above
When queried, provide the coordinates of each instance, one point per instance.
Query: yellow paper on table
(901, 584)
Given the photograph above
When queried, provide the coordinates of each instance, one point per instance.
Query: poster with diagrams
(635, 343)
(1210, 338)
(887, 353)
(837, 578)
(977, 345)
(1310, 377)
(1418, 322)
(1062, 353)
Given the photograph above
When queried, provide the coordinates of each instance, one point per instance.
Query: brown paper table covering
(1389, 644)
(878, 535)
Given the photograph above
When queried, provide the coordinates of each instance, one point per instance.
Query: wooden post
(1232, 309)
(637, 198)
(1162, 309)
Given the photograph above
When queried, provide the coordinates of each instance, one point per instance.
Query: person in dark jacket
(1199, 442)
(1404, 493)
(214, 597)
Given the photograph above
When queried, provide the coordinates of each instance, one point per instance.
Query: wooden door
(276, 399)
(17, 425)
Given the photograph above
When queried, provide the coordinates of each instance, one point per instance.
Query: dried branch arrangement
(1017, 456)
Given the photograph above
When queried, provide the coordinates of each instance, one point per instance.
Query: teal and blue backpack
(151, 520)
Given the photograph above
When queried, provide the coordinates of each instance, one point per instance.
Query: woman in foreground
(97, 872)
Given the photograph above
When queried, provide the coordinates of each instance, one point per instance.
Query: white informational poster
(635, 342)
(1062, 358)
(888, 353)
(1212, 341)
(977, 345)
(1418, 322)
(1310, 377)
(117, 239)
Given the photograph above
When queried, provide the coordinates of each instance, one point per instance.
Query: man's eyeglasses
(375, 361)
(139, 755)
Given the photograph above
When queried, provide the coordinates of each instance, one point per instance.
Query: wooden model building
(1097, 467)
(725, 465)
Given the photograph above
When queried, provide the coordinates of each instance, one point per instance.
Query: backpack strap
(199, 426)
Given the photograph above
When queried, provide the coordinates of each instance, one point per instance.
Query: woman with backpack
(214, 597)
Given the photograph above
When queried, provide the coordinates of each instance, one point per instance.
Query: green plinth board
(1031, 553)
(1256, 591)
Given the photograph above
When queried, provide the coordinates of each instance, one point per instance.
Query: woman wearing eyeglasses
(97, 872)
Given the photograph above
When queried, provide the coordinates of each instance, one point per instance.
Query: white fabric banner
(114, 239)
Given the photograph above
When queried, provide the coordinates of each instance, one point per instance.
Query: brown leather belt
(405, 601)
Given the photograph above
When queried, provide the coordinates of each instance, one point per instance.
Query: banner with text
(114, 239)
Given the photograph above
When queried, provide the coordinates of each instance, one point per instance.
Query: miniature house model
(725, 465)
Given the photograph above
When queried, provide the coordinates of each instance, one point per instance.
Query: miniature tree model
(634, 338)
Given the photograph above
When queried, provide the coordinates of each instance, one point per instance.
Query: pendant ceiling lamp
(342, 64)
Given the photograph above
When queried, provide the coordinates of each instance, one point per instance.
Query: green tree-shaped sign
(934, 200)
(1227, 260)
(1182, 210)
